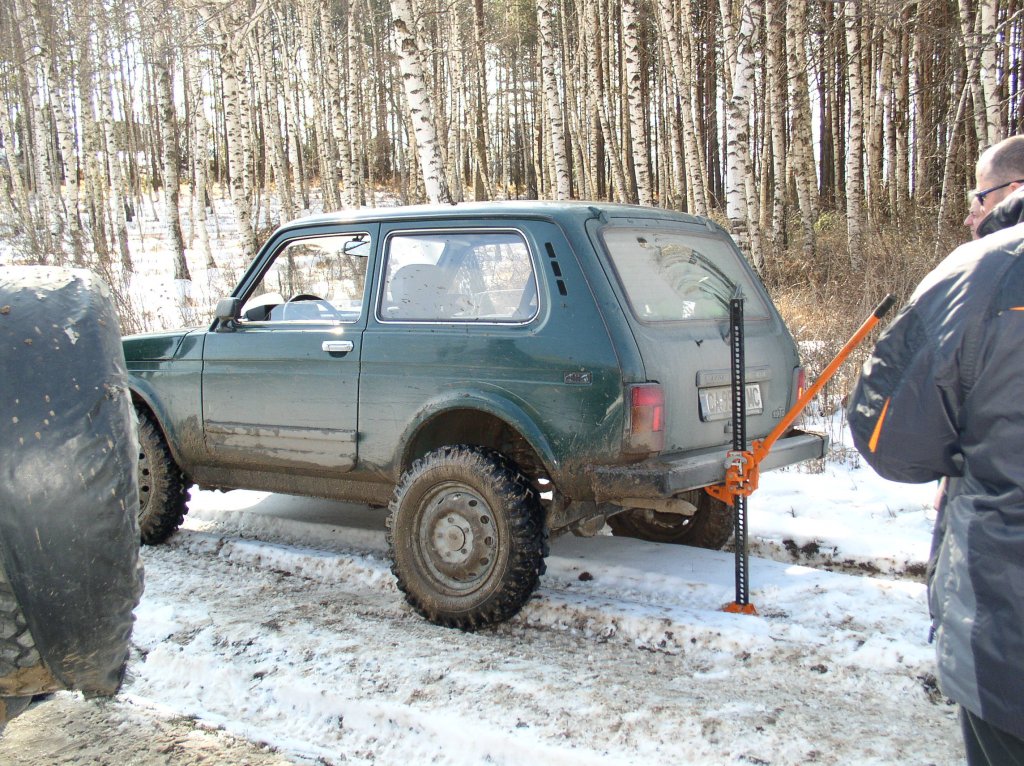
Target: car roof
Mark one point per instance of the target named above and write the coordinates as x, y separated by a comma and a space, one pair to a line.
552, 210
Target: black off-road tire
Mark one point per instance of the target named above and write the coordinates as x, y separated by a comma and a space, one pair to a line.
710, 527
70, 573
467, 538
163, 488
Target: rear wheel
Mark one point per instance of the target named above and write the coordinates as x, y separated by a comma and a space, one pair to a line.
466, 536
710, 527
163, 490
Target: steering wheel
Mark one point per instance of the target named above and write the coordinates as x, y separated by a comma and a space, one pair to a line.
328, 313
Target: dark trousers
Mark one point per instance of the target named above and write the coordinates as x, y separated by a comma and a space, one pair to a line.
988, 746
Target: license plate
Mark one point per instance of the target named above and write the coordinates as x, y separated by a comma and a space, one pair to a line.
716, 403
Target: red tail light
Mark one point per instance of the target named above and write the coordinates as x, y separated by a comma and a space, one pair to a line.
799, 384
646, 429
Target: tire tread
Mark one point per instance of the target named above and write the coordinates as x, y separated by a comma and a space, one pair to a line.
529, 540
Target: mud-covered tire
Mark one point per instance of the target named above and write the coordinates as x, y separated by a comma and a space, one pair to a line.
163, 489
466, 536
710, 527
70, 573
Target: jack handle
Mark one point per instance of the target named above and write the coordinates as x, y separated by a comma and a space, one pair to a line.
742, 471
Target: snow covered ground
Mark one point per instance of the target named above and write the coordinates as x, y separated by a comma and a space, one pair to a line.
275, 620
272, 632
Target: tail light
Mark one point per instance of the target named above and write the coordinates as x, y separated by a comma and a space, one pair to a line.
799, 384
645, 431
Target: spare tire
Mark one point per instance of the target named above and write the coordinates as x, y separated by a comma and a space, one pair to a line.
710, 526
70, 573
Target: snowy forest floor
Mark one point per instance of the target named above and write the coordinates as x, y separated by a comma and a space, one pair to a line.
271, 632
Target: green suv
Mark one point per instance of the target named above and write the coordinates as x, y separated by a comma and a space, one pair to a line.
491, 372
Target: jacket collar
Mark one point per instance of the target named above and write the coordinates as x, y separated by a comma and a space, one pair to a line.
1007, 213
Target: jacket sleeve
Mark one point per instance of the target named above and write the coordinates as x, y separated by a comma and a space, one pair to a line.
905, 407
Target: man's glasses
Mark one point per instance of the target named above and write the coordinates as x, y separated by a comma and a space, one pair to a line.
980, 195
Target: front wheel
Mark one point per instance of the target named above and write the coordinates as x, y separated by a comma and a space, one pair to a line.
710, 527
466, 536
163, 490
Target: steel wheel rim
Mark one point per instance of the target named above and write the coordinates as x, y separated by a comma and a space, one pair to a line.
457, 540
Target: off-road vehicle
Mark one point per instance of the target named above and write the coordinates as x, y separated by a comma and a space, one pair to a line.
491, 372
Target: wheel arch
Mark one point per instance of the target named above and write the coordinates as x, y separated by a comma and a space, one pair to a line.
487, 422
143, 399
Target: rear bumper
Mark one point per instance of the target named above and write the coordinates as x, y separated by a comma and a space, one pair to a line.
669, 476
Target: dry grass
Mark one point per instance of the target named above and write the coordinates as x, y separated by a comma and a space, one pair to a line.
825, 299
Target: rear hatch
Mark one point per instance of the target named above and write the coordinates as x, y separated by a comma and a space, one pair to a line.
675, 280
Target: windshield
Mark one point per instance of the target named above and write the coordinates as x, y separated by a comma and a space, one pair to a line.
672, 275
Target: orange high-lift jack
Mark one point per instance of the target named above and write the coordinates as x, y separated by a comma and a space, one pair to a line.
743, 465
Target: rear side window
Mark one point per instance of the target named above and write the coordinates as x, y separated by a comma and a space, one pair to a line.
458, 276
669, 276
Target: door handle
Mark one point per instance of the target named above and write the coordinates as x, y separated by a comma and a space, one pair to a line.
337, 346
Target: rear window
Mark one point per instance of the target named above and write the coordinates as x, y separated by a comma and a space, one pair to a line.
669, 275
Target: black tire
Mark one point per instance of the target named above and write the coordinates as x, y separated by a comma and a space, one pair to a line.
710, 527
163, 489
476, 499
69, 536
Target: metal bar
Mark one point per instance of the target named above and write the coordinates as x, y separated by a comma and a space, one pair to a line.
781, 427
739, 443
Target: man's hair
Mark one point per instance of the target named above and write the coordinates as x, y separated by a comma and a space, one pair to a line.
1006, 159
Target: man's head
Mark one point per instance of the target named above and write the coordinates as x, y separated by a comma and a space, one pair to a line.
999, 172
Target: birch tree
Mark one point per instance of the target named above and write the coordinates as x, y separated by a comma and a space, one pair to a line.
634, 96
169, 139
741, 195
552, 98
855, 148
421, 110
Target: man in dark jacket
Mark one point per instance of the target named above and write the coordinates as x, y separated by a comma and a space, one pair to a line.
942, 397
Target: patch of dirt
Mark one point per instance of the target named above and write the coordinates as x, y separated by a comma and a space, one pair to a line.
68, 729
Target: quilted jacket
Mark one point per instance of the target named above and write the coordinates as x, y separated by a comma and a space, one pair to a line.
942, 397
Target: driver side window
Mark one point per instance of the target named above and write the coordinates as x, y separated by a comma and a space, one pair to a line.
313, 279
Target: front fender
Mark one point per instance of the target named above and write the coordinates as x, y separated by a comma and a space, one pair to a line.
169, 384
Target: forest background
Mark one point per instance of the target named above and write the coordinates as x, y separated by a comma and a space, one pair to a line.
835, 138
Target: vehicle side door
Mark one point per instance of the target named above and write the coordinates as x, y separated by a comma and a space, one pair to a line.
281, 384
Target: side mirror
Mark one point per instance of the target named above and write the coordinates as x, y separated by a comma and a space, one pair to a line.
227, 312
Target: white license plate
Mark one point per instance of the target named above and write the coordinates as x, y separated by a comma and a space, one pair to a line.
716, 403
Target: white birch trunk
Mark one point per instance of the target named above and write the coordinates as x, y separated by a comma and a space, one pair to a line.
634, 95
552, 99
741, 191
970, 31
990, 45
358, 160
900, 120
169, 138
342, 128
855, 145
778, 103
421, 111
200, 142
235, 152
